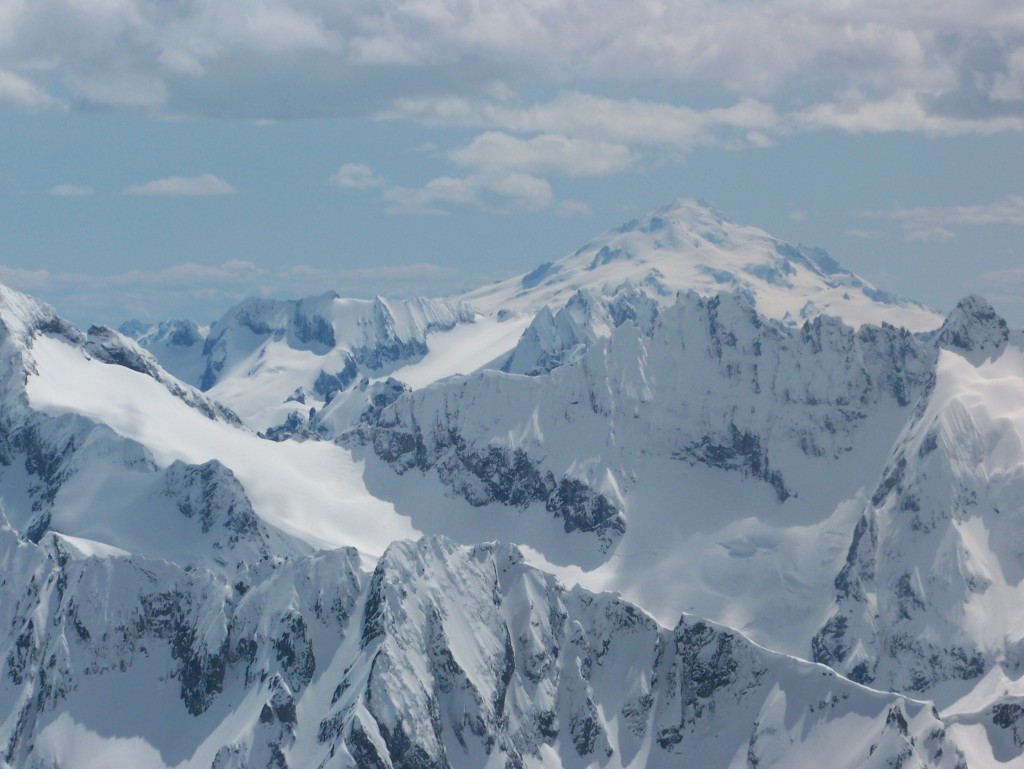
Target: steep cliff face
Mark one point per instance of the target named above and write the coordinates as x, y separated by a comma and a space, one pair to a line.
709, 382
555, 338
574, 678
925, 602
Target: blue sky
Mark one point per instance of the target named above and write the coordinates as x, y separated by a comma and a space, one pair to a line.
167, 158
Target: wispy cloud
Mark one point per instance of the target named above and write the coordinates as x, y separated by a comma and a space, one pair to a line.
21, 93
567, 208
1008, 278
495, 192
926, 234
937, 223
583, 121
70, 191
356, 176
178, 186
902, 112
499, 151
863, 234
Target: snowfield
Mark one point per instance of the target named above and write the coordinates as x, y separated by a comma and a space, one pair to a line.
312, 490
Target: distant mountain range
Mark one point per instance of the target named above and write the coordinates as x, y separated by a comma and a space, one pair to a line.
689, 496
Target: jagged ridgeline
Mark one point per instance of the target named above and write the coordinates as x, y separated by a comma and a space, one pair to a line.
444, 656
719, 456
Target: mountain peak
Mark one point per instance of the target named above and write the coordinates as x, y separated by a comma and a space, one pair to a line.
23, 316
974, 329
681, 211
688, 245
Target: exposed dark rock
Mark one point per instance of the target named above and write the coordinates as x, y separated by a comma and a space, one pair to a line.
326, 385
740, 451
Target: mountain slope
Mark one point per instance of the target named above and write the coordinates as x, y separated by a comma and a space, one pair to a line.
97, 447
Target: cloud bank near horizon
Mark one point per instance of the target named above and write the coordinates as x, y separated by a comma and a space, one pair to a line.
157, 294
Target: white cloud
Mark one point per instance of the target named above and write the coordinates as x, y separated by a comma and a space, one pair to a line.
21, 93
567, 208
174, 186
233, 271
863, 234
585, 123
903, 112
24, 280
497, 151
596, 119
937, 223
495, 192
356, 176
70, 190
930, 234
1012, 277
1009, 211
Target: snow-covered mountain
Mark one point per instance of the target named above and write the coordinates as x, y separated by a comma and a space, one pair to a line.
272, 361
688, 246
177, 344
701, 490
